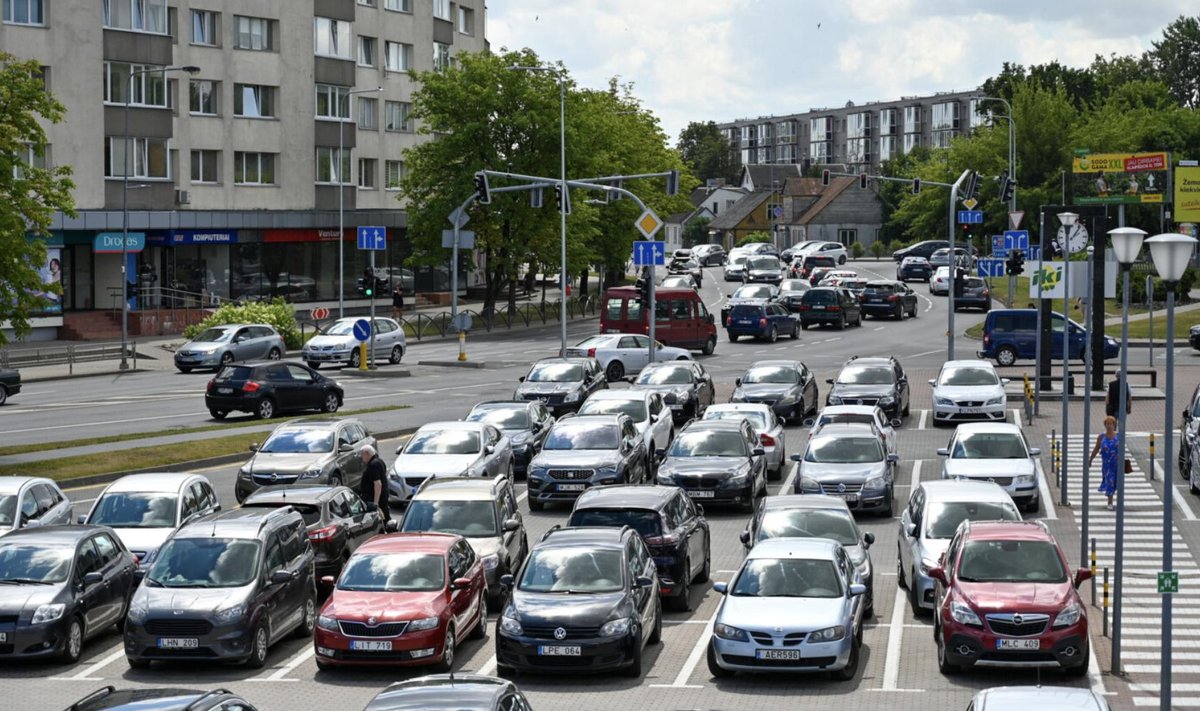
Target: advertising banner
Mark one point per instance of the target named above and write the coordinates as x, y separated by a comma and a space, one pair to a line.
1049, 282
1116, 178
51, 273
1187, 193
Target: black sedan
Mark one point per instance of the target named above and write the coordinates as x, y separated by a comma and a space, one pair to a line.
788, 386
561, 384
975, 295
110, 698
791, 293
686, 387
888, 298
718, 461
268, 388
59, 586
871, 381
526, 424
10, 383
917, 268
687, 266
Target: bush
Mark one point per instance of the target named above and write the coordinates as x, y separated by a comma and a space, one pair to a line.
1137, 287
877, 249
754, 237
277, 313
857, 250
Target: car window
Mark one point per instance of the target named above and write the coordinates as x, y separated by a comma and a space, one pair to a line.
295, 542
29, 507
190, 504
354, 504
338, 507
210, 496
274, 558
627, 342
45, 496
681, 309
89, 558
106, 548
296, 372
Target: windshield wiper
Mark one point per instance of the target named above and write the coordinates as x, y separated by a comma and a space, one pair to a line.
23, 581
969, 579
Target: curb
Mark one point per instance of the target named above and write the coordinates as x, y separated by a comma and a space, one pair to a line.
69, 376
454, 363
377, 373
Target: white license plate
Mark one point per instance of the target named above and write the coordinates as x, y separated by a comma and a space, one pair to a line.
558, 650
225, 391
3, 637
572, 487
971, 410
849, 498
178, 643
1018, 644
370, 645
701, 494
791, 654
818, 308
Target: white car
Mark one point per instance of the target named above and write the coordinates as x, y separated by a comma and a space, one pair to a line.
995, 452
145, 509
678, 281
27, 501
338, 344
830, 249
767, 426
837, 276
939, 283
621, 354
968, 390
449, 449
649, 413
735, 266
871, 415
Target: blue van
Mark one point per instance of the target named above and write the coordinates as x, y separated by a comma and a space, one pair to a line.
1011, 334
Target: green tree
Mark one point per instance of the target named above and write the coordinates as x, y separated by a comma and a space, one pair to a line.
696, 232
1177, 59
707, 153
754, 237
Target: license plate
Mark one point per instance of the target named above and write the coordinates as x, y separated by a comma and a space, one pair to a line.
1018, 644
971, 410
558, 650
370, 645
790, 654
849, 498
701, 494
745, 321
818, 308
3, 637
178, 643
572, 487
225, 391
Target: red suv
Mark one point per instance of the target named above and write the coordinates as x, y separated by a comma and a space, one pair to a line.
1007, 597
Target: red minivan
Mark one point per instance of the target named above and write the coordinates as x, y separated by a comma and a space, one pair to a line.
681, 318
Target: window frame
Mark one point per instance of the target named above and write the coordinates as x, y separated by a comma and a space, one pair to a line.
331, 30
336, 98
261, 91
370, 171
204, 179
400, 175
405, 56
363, 42
9, 15
405, 6
214, 93
144, 154
240, 161
267, 35
152, 11
368, 113
345, 163
142, 78
212, 25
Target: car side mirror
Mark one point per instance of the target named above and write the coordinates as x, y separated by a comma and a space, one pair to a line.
399, 450
279, 577
857, 589
512, 524
709, 318
460, 584
506, 582
139, 573
521, 379
809, 422
745, 538
938, 573
893, 458
910, 529
829, 380
796, 457
1186, 415
868, 539
1005, 381
758, 452
327, 581
254, 446
643, 582
345, 447
896, 422
721, 588
535, 427
93, 578
943, 451
933, 381
1082, 575
82, 519
1035, 451
391, 525
738, 382
489, 449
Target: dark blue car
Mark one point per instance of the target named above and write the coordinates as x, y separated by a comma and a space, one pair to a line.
1011, 334
767, 321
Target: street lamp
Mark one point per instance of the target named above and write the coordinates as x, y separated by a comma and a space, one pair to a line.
1012, 145
1127, 242
1170, 253
125, 203
1068, 220
342, 214
1087, 412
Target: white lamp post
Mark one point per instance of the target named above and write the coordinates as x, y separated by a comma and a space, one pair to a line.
1068, 220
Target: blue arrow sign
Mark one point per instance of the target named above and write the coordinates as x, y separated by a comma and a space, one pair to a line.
970, 217
372, 238
990, 267
362, 330
648, 253
1016, 239
998, 247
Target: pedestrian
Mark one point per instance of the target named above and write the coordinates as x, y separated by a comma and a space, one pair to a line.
1109, 447
1112, 399
397, 301
374, 488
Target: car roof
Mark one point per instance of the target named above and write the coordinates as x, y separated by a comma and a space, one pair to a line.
158, 482
452, 425
973, 427
1008, 531
283, 494
882, 282
804, 548
964, 490
315, 422
1020, 698
775, 364
588, 536
737, 407
716, 425
845, 429
457, 489
626, 394
231, 523
556, 359
869, 360
805, 501
456, 690
669, 364
497, 404
61, 535
967, 363
148, 699
635, 496
848, 410
13, 484
424, 542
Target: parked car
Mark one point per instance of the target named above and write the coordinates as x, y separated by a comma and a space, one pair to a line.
996, 452
306, 452
872, 381
787, 386
649, 413
1188, 429
221, 345
968, 390
717, 461
768, 428
450, 692
791, 293
709, 255
834, 250
561, 384
679, 281
524, 422
621, 354
940, 282
269, 389
10, 383
586, 451
109, 698
681, 318
764, 268
762, 321
806, 266
751, 294
851, 462
449, 449
1011, 334
920, 249
1194, 337
975, 295
911, 268
962, 258
1020, 698
686, 387
145, 509
30, 502
888, 298
872, 416
337, 344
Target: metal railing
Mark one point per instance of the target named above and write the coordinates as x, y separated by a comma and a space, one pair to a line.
68, 355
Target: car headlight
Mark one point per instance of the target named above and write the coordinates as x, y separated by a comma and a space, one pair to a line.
510, 626
243, 474
138, 610
786, 400
48, 613
833, 399
829, 634
229, 614
927, 565
393, 474
491, 561
887, 400
425, 623
944, 401
326, 622
1069, 615
996, 401
741, 476
615, 628
311, 474
571, 397
875, 482
964, 615
664, 478
1024, 479
809, 485
725, 631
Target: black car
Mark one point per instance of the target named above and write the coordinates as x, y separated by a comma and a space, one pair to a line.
584, 451
450, 692
788, 386
110, 698
871, 381
829, 304
269, 388
811, 263
917, 268
689, 266
757, 294
791, 293
10, 383
525, 422
975, 295
718, 461
1194, 337
561, 384
585, 600
59, 586
337, 520
920, 249
888, 298
686, 387
671, 525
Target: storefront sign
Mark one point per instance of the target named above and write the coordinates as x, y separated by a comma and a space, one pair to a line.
110, 243
307, 235
194, 237
1116, 178
1187, 193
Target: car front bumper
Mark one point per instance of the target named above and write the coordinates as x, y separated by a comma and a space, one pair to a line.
746, 656
26, 641
222, 642
961, 413
408, 649
706, 491
595, 655
973, 647
203, 360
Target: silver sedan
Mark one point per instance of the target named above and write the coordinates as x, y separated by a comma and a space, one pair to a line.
447, 449
768, 427
338, 345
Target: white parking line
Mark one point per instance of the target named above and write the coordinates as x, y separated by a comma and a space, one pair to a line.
489, 667
278, 675
1095, 678
921, 421
1181, 494
916, 475
787, 482
891, 664
1016, 417
693, 659
880, 328
86, 673
1044, 493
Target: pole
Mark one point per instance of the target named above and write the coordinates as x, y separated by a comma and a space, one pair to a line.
562, 152
1119, 551
1150, 316
371, 356
1066, 363
125, 229
651, 307
342, 228
953, 265
1037, 390
1087, 427
1164, 688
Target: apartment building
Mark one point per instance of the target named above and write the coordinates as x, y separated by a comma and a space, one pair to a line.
236, 171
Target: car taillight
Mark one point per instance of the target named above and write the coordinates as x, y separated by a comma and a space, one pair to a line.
987, 340
729, 321
250, 387
762, 322
668, 539
986, 292
323, 534
834, 308
211, 383
591, 353
804, 307
894, 297
767, 440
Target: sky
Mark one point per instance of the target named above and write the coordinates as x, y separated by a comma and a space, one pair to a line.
721, 60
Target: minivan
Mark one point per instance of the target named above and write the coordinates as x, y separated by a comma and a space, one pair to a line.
1011, 334
681, 318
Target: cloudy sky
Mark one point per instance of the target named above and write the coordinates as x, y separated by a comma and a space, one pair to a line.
698, 60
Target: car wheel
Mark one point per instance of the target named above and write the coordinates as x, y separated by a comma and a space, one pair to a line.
901, 578
446, 664
260, 643
397, 354
331, 403
795, 331
274, 354
842, 259
535, 505
335, 479
4, 392
913, 313
356, 358
226, 358
733, 337
218, 414
842, 323
1006, 355
773, 335
913, 601
615, 371
1032, 506
683, 602
656, 633
803, 326
634, 670
309, 620
887, 513
715, 669
945, 666
265, 409
849, 671
72, 647
710, 346
479, 631
1192, 488
899, 313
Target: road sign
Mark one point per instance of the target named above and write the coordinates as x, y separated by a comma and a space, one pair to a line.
1168, 581
462, 322
998, 247
649, 253
970, 203
1016, 239
990, 267
777, 212
320, 313
970, 217
466, 239
1034, 253
1014, 219
362, 330
372, 238
648, 223
459, 218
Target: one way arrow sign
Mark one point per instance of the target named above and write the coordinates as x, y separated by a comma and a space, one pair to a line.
372, 238
649, 253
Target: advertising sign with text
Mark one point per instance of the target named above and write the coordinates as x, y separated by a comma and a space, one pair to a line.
1116, 178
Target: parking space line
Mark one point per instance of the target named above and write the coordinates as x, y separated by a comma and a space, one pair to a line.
878, 328
921, 421
489, 667
916, 475
1044, 492
1181, 494
891, 663
1016, 417
86, 673
693, 659
278, 675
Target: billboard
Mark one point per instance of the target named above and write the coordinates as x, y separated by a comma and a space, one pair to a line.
51, 273
1121, 178
1048, 282
1187, 193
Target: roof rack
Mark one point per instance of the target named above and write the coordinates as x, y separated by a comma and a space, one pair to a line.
555, 527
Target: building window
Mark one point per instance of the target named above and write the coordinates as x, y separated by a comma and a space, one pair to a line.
368, 114
466, 20
441, 56
366, 51
441, 9
397, 116
330, 169
398, 5
887, 147
398, 56
945, 116
333, 102
367, 169
978, 116
151, 158
911, 141
204, 28
27, 156
253, 33
254, 168
202, 97
887, 122
135, 15
912, 119
253, 101
331, 37
147, 88
204, 166
368, 3
820, 144
393, 173
858, 137
25, 12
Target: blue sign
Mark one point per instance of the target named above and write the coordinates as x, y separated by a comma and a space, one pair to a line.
110, 243
1016, 239
970, 217
1034, 253
362, 329
649, 253
990, 267
372, 238
998, 248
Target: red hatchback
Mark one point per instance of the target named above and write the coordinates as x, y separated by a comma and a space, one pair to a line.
1006, 597
403, 599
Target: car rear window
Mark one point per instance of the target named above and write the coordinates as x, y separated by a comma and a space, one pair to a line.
743, 310
820, 261
235, 373
881, 288
818, 296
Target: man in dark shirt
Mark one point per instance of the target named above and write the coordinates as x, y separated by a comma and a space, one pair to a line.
374, 488
1112, 401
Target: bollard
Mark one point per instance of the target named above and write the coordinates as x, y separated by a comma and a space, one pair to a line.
362, 355
1093, 567
1053, 455
1151, 469
462, 346
1104, 630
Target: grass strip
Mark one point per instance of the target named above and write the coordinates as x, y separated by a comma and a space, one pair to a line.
68, 468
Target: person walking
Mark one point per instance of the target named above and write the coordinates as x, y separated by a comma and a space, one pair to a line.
398, 301
374, 488
1112, 399
1109, 447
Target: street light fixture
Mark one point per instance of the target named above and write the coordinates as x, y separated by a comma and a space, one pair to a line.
1068, 220
125, 203
342, 211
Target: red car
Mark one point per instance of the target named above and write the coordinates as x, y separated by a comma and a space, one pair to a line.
403, 599
1006, 597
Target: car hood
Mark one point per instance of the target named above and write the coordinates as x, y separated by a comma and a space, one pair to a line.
702, 465
584, 458
794, 614
203, 345
143, 539
196, 600
346, 341
287, 462
384, 606
853, 391
764, 390
823, 472
486, 545
582, 610
546, 388
433, 464
1014, 597
969, 392
678, 389
15, 599
983, 468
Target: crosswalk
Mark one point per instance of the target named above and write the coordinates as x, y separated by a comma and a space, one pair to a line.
1141, 613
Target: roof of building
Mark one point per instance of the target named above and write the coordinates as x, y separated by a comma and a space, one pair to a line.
763, 175
742, 209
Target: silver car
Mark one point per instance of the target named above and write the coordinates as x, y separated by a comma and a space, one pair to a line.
337, 345
768, 427
939, 283
763, 268
304, 452
870, 415
968, 390
221, 345
649, 413
28, 501
928, 523
995, 452
796, 605
735, 266
1022, 698
849, 461
444, 449
621, 354
145, 509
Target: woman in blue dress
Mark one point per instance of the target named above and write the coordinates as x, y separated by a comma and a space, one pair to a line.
1109, 447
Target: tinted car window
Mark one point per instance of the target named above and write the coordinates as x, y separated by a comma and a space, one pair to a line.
571, 435
945, 516
771, 374
205, 563
465, 518
507, 417
665, 376
820, 296
790, 577
645, 522
568, 570
746, 311
636, 409
444, 442
555, 373
29, 562
709, 444
844, 450
1011, 561
234, 372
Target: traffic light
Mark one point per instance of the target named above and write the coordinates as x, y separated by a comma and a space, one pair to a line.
643, 288
1008, 186
562, 198
481, 188
1018, 263
862, 181
825, 178
131, 290
536, 197
369, 288
971, 187
613, 195
916, 186
672, 183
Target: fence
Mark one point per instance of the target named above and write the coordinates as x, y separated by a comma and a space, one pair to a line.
68, 355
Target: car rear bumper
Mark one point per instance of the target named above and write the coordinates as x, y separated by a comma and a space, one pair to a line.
238, 402
1061, 649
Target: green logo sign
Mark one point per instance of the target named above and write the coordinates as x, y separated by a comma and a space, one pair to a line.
1168, 582
1047, 277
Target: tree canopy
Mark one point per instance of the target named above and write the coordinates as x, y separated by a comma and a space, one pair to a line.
707, 153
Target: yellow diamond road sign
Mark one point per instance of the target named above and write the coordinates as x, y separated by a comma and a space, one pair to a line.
648, 224
970, 203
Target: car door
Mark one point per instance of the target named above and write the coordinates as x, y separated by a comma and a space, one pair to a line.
282, 387
661, 425
461, 600
30, 515
298, 557
540, 414
117, 569
902, 392
633, 352
276, 593
640, 565
242, 344
189, 505
514, 541
308, 393
56, 508
687, 526
910, 519
706, 387
95, 599
348, 462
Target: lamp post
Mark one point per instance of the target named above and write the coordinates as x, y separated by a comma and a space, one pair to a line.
1127, 242
1087, 413
1068, 220
1170, 253
125, 201
342, 217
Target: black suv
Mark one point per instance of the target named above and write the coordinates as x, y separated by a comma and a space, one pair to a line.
685, 385
585, 600
829, 304
920, 249
562, 384
671, 525
871, 381
269, 388
110, 698
585, 451
889, 298
225, 587
450, 692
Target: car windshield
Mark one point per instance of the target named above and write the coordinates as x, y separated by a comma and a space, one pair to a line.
772, 374
989, 445
213, 335
506, 417
844, 450
473, 519
793, 285
443, 442
636, 409
752, 292
968, 376
135, 509
756, 418
809, 523
867, 375
944, 516
665, 376
769, 263
205, 563
298, 441
644, 522
393, 572
990, 561
8, 509
582, 435
25, 563
787, 577
341, 328
555, 373
709, 443
573, 570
